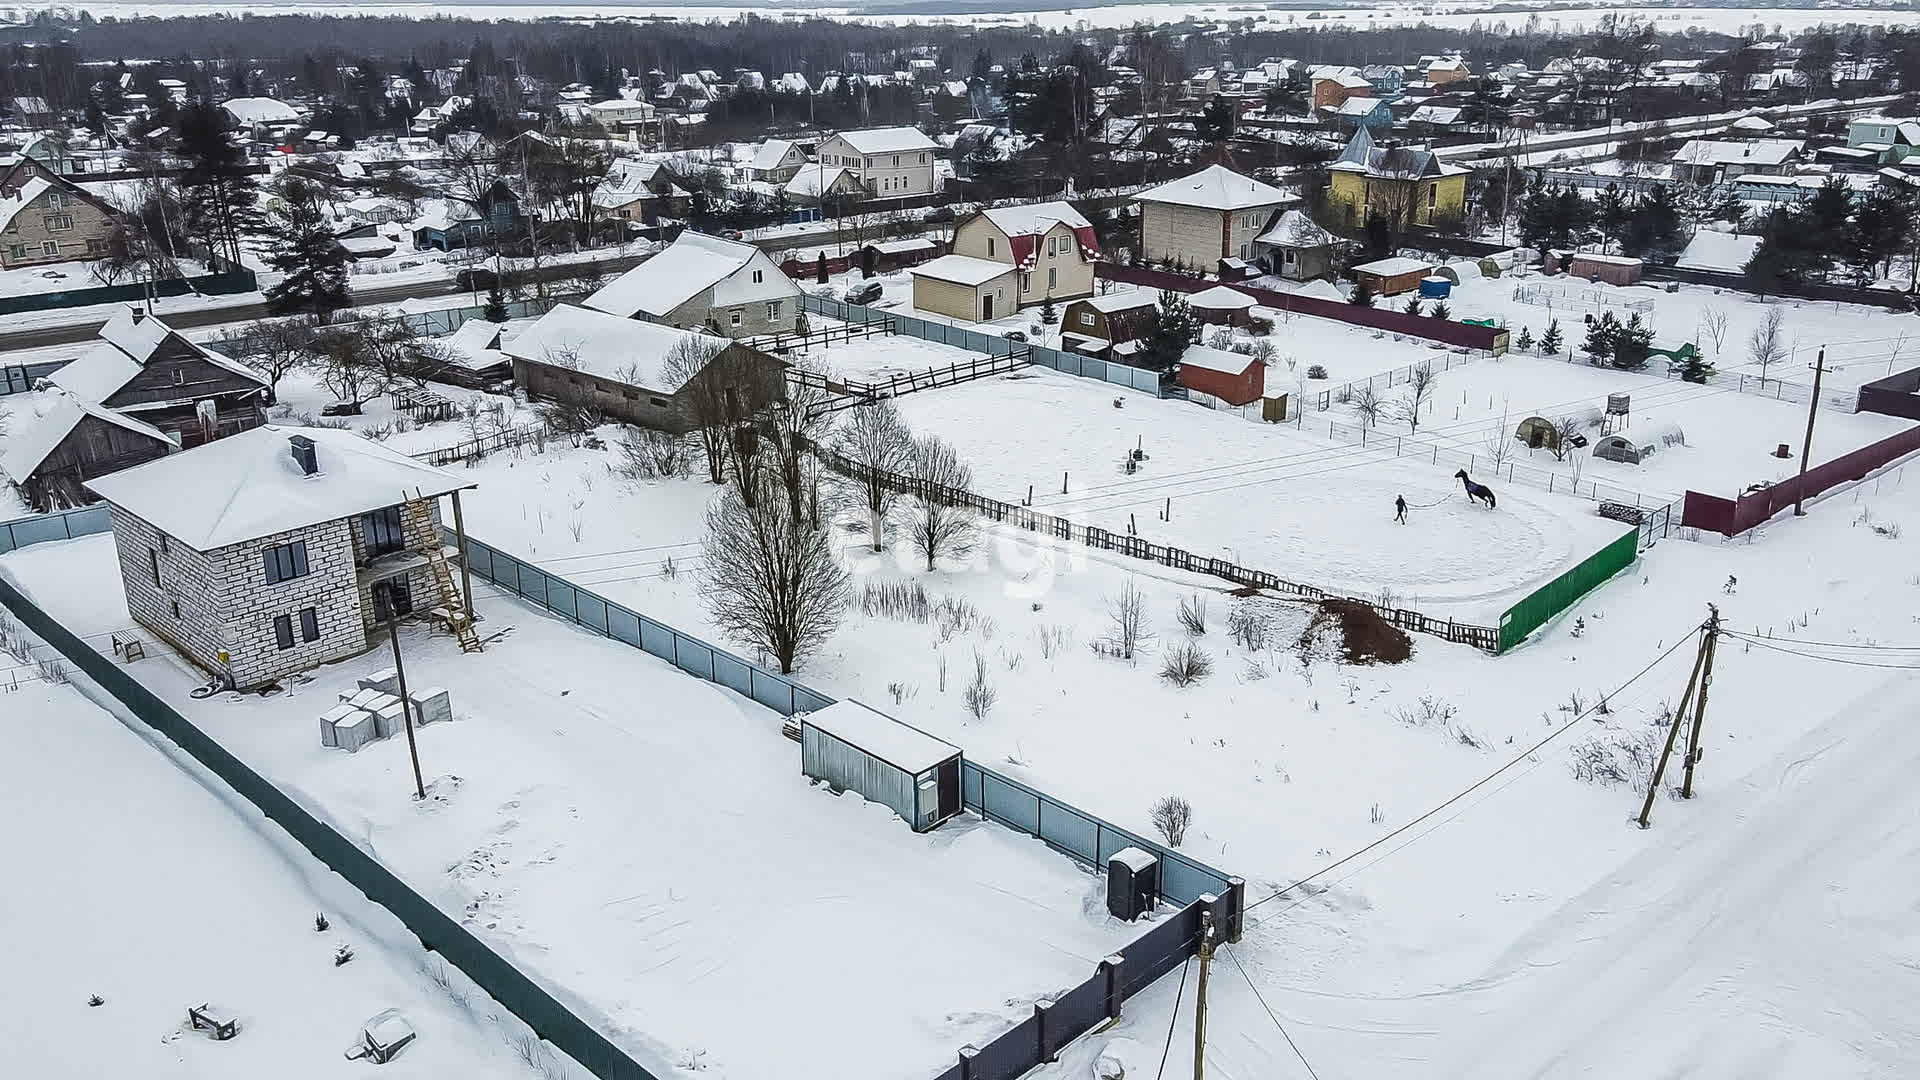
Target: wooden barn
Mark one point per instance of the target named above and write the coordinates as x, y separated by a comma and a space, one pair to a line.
1234, 378
71, 442
141, 368
1092, 325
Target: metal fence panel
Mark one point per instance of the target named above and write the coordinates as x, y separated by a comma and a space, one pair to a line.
560, 598
623, 625
1075, 1013
659, 640
773, 692
1556, 596
591, 611
1160, 950
1144, 380
1010, 1055
1064, 827
1005, 803
693, 657
732, 673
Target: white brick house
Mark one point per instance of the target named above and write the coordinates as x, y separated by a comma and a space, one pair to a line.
255, 567
890, 163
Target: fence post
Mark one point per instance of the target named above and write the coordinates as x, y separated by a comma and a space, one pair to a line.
1040, 1051
1114, 969
967, 1054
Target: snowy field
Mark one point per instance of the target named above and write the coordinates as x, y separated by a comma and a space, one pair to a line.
156, 889
645, 843
882, 356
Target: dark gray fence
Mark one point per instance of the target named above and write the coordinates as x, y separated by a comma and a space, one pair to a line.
41, 528
19, 378
437, 932
436, 323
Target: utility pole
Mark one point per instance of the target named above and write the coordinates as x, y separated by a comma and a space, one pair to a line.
1200, 998
406, 704
1709, 631
1700, 707
1806, 448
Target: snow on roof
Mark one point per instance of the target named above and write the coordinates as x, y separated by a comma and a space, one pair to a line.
1212, 359
1753, 123
1360, 106
606, 346
810, 182
249, 111
1729, 252
893, 140
1393, 267
1435, 114
101, 371
962, 269
768, 155
902, 247
248, 485
1605, 260
903, 746
27, 449
1295, 229
1747, 152
1322, 290
1217, 187
10, 206
1036, 218
692, 263
1221, 298
1119, 301
475, 345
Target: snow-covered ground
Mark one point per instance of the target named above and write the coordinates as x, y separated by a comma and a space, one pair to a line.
645, 843
61, 277
154, 887
302, 395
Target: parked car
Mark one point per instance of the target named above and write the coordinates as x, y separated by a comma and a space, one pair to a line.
732, 234
866, 292
475, 279
1015, 335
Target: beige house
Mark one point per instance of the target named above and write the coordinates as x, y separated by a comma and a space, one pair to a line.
46, 218
965, 287
888, 162
1051, 244
776, 161
1212, 215
730, 288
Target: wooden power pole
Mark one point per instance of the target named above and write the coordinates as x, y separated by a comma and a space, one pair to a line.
1806, 448
1200, 998
1709, 632
1700, 706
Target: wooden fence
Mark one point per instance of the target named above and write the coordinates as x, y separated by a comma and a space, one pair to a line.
474, 449
826, 335
1480, 637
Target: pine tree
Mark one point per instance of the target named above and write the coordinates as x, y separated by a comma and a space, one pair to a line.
1413, 306
1695, 367
1440, 311
1602, 334
496, 309
1174, 328
304, 250
1362, 295
1524, 341
1632, 344
1550, 341
220, 196
1048, 315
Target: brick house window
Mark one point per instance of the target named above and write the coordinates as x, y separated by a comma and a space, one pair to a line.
773, 310
383, 532
50, 248
283, 631
57, 200
153, 564
309, 624
175, 604
286, 561
16, 251
733, 318
59, 222
658, 403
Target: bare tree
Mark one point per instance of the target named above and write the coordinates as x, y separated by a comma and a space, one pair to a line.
280, 345
1765, 347
566, 409
770, 582
1172, 815
794, 427
1564, 430
1367, 402
1419, 391
938, 527
1499, 444
646, 453
877, 443
1576, 464
1713, 321
348, 368
687, 367
1127, 619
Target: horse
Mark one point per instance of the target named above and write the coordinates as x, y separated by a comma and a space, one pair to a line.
1476, 491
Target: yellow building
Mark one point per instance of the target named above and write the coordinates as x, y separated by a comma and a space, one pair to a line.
1406, 186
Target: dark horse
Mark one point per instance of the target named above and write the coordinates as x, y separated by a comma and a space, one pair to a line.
1476, 491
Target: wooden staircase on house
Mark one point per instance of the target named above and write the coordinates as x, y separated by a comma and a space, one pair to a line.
449, 592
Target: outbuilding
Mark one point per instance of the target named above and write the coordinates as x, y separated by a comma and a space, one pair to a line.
1221, 306
1636, 446
964, 287
1612, 269
863, 750
1388, 277
1235, 378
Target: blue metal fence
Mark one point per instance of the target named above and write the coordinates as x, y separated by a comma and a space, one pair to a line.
1087, 367
64, 525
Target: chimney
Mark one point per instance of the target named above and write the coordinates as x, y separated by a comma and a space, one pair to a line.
139, 313
304, 455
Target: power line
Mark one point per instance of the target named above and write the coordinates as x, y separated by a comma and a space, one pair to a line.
1478, 784
1185, 967
1271, 1015
1860, 646
1763, 643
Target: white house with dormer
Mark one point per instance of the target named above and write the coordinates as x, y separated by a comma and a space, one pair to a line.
894, 162
703, 281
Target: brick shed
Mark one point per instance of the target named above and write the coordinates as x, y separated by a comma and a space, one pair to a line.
1234, 378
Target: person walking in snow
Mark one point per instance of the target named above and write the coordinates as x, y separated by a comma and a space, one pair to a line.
1400, 509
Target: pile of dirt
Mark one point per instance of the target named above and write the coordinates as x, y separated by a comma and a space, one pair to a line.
1356, 633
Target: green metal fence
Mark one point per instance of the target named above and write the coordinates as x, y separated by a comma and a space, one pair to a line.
1559, 594
493, 973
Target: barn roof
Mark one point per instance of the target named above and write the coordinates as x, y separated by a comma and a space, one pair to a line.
29, 449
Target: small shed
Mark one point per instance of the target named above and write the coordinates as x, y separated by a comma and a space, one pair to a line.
1636, 446
1221, 306
1388, 277
863, 750
1612, 269
1235, 378
1436, 287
